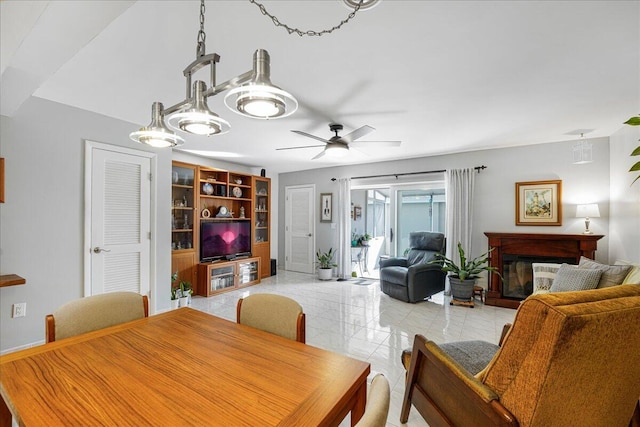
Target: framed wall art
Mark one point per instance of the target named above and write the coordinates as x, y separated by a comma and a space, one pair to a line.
539, 203
326, 207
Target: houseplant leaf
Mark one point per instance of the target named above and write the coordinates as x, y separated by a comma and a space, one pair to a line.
633, 121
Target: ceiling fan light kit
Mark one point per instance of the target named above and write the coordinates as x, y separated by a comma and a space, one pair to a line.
252, 95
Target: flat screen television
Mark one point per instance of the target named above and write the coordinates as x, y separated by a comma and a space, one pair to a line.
224, 240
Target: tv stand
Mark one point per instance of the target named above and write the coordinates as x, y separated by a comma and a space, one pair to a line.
221, 276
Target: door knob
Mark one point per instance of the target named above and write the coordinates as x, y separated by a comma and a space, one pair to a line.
97, 250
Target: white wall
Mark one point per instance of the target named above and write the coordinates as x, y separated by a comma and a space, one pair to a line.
495, 187
42, 227
42, 220
624, 226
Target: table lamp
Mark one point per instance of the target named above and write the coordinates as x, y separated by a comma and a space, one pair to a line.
586, 212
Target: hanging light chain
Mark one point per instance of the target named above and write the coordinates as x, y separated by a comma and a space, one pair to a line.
201, 34
311, 33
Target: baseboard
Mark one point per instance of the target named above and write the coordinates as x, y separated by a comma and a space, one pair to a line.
22, 347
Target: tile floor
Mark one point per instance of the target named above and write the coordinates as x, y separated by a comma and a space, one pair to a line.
362, 322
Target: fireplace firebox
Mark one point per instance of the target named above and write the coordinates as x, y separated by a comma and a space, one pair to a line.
515, 252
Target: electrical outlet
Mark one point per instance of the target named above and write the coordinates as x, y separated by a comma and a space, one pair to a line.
20, 309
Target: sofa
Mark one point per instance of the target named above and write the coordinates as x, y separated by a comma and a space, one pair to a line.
588, 274
413, 278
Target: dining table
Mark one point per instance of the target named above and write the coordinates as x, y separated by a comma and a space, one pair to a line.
180, 367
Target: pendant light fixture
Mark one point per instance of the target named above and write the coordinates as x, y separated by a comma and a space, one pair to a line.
252, 95
582, 151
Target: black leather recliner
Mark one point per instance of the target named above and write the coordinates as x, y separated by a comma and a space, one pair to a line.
412, 279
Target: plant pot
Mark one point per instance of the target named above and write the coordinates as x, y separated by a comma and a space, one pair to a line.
462, 290
174, 304
325, 273
183, 301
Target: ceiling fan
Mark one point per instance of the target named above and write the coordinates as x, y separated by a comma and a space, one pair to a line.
338, 146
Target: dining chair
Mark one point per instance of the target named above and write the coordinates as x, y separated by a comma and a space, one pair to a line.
276, 314
377, 409
95, 312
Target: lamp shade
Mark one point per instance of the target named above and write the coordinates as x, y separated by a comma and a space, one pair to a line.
588, 211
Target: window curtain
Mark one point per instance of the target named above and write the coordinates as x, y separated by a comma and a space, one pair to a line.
344, 229
459, 184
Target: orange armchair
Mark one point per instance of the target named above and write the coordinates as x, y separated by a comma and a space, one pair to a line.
570, 358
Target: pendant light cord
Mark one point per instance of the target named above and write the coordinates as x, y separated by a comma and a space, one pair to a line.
311, 33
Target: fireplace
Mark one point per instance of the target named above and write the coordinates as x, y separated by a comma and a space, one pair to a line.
515, 252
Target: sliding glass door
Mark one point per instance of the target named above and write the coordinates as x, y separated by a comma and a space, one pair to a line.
418, 210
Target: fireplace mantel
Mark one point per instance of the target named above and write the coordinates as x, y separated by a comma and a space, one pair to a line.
540, 246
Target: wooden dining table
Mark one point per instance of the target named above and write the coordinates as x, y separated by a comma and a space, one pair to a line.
182, 367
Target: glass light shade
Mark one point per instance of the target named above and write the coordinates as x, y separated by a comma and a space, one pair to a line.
199, 122
582, 153
156, 134
261, 101
197, 118
336, 150
588, 211
157, 138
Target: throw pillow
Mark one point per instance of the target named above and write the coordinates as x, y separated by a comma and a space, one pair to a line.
572, 278
633, 277
543, 275
612, 275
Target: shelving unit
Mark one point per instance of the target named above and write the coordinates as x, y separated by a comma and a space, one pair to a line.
219, 277
218, 188
198, 194
261, 223
184, 228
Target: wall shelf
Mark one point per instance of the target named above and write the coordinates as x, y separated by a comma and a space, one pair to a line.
11, 280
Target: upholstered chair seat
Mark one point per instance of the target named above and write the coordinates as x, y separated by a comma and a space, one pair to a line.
377, 410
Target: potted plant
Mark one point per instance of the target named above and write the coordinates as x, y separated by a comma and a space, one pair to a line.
325, 264
185, 294
174, 291
462, 276
364, 239
634, 121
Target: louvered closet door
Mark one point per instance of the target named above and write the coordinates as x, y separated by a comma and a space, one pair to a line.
120, 222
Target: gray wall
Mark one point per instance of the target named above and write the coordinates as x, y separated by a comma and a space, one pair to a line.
42, 220
494, 208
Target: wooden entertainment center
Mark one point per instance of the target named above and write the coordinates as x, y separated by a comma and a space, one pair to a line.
201, 194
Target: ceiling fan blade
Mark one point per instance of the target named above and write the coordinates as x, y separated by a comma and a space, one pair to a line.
320, 154
302, 146
358, 133
308, 135
376, 143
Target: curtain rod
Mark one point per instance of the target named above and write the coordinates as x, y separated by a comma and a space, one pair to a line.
477, 168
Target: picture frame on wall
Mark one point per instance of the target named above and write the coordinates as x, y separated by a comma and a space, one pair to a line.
357, 212
539, 203
326, 207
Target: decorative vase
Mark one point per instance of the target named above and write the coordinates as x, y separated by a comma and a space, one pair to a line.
183, 301
325, 273
462, 290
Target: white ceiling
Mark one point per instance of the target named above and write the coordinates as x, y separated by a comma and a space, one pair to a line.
441, 76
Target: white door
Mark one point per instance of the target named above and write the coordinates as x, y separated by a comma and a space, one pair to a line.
299, 229
117, 212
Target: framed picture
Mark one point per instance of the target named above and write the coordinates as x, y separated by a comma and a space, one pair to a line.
539, 203
357, 212
326, 207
